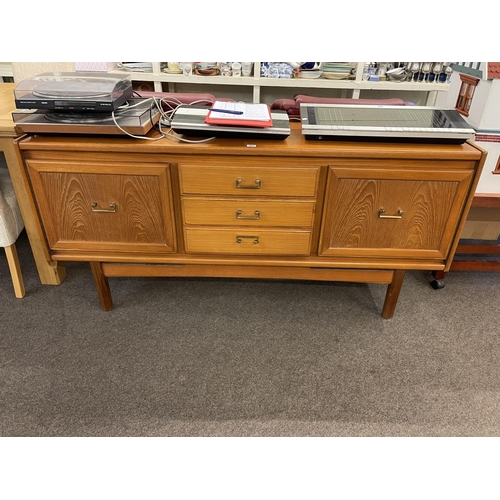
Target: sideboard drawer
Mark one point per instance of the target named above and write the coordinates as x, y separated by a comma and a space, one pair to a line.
248, 180
248, 241
254, 212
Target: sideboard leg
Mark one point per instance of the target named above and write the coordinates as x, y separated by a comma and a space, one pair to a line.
438, 281
438, 275
391, 297
102, 285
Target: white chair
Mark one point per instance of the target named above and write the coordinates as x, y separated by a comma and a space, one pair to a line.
11, 225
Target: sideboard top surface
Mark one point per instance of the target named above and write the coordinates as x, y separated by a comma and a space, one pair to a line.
294, 146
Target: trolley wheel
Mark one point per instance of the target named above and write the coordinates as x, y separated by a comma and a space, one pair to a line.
437, 284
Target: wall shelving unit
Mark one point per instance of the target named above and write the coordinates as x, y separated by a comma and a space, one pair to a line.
6, 72
261, 89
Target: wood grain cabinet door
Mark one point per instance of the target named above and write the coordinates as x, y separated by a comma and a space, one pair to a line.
115, 207
384, 213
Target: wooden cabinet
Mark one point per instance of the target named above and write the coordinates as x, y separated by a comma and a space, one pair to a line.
294, 209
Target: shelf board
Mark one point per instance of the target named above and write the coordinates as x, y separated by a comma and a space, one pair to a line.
172, 78
6, 69
286, 82
415, 86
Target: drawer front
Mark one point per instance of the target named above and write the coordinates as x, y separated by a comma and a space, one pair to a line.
258, 241
104, 211
247, 180
241, 212
398, 214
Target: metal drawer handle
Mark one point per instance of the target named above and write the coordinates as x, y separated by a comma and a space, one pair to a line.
248, 217
381, 215
111, 209
240, 186
255, 239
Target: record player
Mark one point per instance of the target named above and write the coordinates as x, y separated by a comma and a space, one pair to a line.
82, 103
137, 117
79, 91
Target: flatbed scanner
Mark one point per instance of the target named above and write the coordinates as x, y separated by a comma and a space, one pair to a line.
189, 120
384, 123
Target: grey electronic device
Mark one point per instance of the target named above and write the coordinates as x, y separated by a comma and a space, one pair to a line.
190, 121
78, 91
384, 123
137, 118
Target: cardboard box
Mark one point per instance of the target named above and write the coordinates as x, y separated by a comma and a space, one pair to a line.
482, 224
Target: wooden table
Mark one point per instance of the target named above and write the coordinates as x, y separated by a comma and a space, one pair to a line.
50, 272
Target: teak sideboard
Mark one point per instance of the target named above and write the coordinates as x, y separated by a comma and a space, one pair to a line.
293, 209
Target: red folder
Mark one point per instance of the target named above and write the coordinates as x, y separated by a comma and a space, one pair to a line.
239, 122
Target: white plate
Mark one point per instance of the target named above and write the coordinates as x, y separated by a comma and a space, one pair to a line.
310, 74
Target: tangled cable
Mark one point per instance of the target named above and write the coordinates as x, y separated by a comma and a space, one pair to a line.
166, 116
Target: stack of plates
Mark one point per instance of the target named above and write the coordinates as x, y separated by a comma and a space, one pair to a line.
136, 66
310, 73
336, 70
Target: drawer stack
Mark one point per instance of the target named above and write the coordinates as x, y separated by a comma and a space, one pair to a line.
252, 209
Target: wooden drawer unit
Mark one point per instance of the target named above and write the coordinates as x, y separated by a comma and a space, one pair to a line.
386, 212
248, 195
103, 207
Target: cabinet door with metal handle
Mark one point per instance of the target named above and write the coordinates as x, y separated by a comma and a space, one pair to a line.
121, 208
383, 213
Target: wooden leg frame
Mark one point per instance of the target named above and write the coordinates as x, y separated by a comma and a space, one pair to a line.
15, 271
393, 278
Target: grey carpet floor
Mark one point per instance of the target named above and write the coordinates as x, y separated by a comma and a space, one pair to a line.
221, 357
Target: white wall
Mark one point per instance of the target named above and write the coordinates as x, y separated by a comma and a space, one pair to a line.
25, 70
488, 182
484, 115
491, 114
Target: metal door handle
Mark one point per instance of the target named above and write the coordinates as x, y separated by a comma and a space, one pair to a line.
381, 215
240, 186
255, 239
247, 217
111, 209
